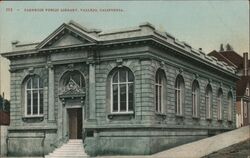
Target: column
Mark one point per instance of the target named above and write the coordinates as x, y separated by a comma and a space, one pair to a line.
92, 104
51, 102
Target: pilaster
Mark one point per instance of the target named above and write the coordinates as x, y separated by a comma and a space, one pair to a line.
51, 102
92, 92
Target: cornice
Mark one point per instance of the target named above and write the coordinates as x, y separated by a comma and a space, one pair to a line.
151, 40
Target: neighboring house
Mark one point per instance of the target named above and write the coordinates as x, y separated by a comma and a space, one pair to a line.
4, 78
5, 93
242, 65
129, 91
4, 123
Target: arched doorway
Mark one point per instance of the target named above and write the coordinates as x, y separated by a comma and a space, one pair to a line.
72, 95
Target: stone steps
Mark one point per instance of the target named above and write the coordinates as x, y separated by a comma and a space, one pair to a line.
72, 149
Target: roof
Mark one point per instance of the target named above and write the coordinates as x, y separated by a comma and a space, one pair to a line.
231, 57
90, 37
4, 118
241, 85
220, 57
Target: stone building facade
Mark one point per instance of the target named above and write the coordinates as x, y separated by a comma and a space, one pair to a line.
242, 66
130, 91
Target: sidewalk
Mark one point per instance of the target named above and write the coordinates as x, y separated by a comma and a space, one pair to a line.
237, 150
206, 146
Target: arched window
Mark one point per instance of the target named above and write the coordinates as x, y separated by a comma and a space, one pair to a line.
122, 91
34, 96
208, 101
159, 90
230, 105
179, 95
219, 104
195, 98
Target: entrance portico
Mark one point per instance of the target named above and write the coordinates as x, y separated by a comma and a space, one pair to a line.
72, 95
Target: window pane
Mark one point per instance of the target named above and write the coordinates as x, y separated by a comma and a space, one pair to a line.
35, 102
35, 82
219, 107
193, 98
160, 99
28, 102
156, 97
177, 85
176, 101
40, 83
157, 78
115, 77
41, 101
131, 97
115, 98
206, 104
123, 97
130, 77
179, 101
29, 84
122, 75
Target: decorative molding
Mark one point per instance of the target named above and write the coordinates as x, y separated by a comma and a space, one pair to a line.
63, 101
90, 62
210, 80
72, 90
231, 88
196, 76
162, 64
11, 70
180, 70
50, 66
119, 62
70, 67
31, 69
221, 85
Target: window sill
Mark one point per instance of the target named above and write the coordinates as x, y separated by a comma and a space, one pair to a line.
35, 118
230, 121
209, 119
219, 120
180, 116
163, 115
122, 113
129, 115
195, 117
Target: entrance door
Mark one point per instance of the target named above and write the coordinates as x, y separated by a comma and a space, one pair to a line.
75, 123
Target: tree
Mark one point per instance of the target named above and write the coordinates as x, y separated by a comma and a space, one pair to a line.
229, 47
4, 104
221, 48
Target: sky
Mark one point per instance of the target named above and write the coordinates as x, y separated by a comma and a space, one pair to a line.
202, 24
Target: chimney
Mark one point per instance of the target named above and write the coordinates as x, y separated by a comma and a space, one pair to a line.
245, 64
